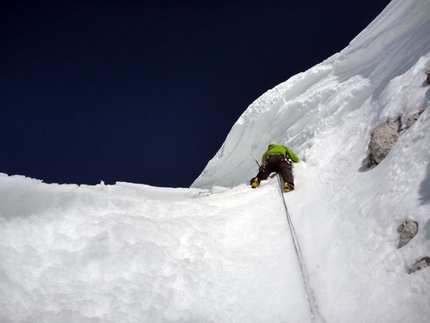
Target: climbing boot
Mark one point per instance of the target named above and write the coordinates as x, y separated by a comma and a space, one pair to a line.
288, 187
255, 182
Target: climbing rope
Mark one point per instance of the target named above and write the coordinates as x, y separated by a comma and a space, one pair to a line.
316, 316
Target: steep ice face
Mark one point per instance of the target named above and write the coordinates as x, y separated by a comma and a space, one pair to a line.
379, 76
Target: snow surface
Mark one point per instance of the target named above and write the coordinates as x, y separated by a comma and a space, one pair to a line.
222, 252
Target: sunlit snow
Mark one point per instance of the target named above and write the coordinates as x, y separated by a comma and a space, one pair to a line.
223, 252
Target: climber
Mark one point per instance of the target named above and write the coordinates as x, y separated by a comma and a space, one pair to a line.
277, 159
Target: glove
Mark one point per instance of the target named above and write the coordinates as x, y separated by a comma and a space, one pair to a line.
262, 167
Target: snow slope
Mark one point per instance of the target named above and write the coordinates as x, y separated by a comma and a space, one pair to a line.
135, 253
222, 252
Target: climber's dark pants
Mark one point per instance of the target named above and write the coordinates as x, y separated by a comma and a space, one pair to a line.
278, 164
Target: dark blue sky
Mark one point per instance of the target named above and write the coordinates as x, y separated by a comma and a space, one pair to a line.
147, 91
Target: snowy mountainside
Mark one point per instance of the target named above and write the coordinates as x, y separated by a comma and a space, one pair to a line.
326, 115
379, 76
221, 251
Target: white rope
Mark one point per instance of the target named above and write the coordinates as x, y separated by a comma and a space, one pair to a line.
316, 316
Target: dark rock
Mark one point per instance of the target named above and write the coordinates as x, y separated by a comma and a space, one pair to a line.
428, 75
382, 139
420, 264
407, 231
371, 161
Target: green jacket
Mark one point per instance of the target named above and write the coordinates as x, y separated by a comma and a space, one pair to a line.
274, 149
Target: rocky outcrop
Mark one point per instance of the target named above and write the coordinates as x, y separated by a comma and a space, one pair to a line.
428, 75
407, 230
383, 138
420, 264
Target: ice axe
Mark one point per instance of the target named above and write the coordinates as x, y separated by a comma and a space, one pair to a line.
258, 164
